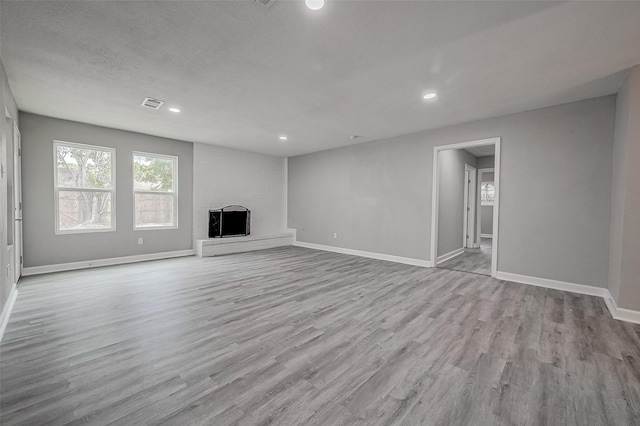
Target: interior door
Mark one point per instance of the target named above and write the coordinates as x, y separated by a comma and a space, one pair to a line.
469, 207
17, 203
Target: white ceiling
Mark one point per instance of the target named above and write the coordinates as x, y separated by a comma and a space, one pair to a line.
243, 74
482, 151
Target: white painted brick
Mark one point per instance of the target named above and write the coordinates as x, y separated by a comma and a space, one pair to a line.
225, 176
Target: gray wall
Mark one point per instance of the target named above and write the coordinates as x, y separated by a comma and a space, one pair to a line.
486, 162
451, 206
374, 196
225, 176
6, 101
624, 245
554, 200
486, 220
43, 247
486, 216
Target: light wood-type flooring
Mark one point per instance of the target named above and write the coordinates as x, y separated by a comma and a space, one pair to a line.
294, 336
476, 261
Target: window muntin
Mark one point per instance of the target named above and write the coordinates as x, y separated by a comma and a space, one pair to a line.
155, 191
84, 186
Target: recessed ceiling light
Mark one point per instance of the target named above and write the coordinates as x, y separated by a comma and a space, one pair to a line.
174, 109
283, 138
431, 95
314, 4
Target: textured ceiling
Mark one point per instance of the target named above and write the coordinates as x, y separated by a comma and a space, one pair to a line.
243, 74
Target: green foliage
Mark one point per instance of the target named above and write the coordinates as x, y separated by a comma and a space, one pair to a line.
82, 168
154, 171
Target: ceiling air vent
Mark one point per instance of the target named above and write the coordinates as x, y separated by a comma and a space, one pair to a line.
265, 3
152, 103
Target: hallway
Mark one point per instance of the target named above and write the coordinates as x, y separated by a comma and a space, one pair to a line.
477, 261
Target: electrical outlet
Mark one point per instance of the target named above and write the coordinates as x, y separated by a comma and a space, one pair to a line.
140, 240
335, 235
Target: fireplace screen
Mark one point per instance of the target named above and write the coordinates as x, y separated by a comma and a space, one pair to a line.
229, 221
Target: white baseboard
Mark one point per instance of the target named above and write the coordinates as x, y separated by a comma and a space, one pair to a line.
450, 255
617, 313
6, 310
621, 314
486, 235
35, 270
368, 254
554, 284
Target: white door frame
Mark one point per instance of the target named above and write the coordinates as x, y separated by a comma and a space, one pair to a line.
7, 144
436, 196
17, 192
469, 207
479, 203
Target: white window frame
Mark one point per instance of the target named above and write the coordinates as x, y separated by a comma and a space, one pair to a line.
57, 189
174, 158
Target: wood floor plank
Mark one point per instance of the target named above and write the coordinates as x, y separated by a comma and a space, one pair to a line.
476, 261
297, 336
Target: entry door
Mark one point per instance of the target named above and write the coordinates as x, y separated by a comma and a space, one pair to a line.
469, 206
17, 203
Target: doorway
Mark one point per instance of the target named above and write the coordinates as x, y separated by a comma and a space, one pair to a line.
466, 178
12, 151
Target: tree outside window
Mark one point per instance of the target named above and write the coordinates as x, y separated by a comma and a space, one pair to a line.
84, 188
155, 190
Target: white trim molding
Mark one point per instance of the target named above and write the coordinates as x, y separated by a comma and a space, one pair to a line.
174, 193
6, 310
435, 197
368, 254
450, 255
479, 202
486, 235
45, 269
57, 188
554, 284
622, 314
617, 313
294, 232
285, 209
470, 175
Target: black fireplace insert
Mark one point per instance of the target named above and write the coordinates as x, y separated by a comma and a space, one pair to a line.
229, 221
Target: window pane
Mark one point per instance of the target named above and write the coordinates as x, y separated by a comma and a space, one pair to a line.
153, 173
83, 167
154, 210
81, 210
487, 193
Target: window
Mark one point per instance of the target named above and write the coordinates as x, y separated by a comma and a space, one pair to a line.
84, 185
487, 193
155, 191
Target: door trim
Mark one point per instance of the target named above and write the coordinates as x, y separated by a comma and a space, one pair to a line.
18, 238
469, 207
435, 196
479, 233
